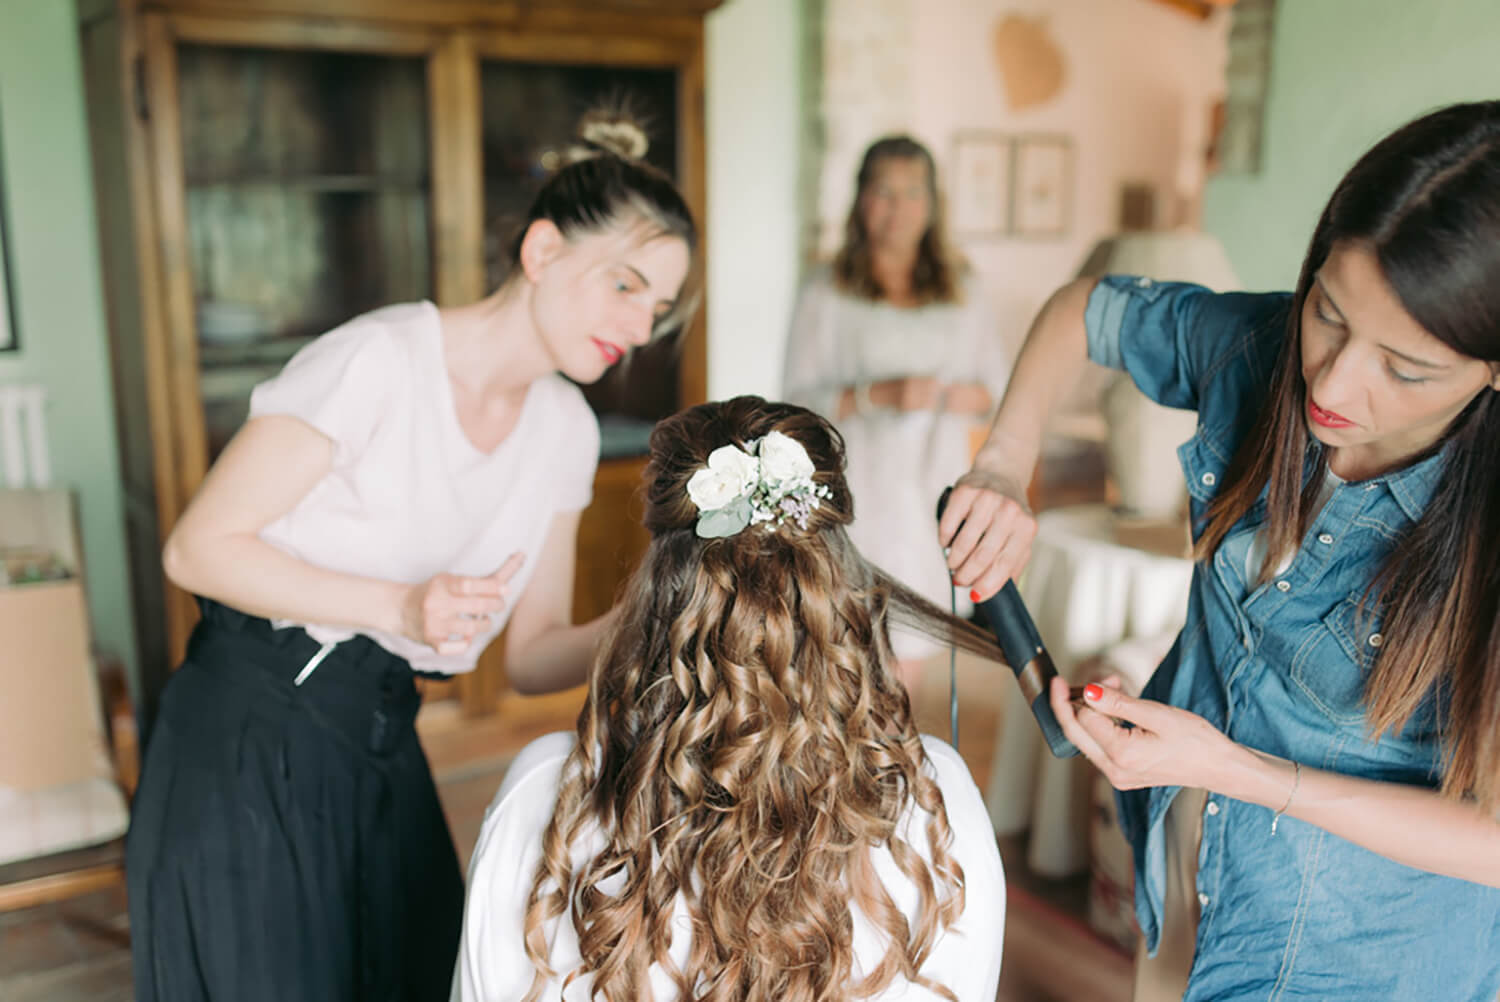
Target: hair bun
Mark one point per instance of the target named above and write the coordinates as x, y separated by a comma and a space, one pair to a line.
614, 132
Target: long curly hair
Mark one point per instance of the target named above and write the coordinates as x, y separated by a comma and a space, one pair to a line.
744, 747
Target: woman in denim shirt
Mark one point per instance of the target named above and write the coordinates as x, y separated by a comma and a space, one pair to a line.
1330, 712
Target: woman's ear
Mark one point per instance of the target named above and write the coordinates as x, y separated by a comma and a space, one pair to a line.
540, 246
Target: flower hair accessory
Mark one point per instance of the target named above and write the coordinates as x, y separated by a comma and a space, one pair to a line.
770, 480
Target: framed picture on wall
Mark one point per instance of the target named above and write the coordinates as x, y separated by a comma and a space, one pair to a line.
8, 338
979, 185
1042, 206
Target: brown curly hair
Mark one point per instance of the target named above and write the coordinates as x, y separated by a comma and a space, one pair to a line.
744, 746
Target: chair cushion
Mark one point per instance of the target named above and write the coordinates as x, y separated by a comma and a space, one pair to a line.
59, 818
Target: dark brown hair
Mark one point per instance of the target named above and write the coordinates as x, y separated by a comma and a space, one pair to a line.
938, 270
745, 745
604, 183
1426, 201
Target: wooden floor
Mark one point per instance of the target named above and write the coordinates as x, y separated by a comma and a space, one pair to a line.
78, 951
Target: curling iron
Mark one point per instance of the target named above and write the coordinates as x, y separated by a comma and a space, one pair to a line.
1025, 654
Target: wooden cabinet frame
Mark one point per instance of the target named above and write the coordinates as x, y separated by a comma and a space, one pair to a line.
131, 77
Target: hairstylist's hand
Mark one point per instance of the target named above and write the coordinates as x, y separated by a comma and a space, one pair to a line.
1165, 747
998, 527
446, 612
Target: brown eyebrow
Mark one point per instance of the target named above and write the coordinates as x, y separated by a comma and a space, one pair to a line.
1423, 363
1318, 280
1414, 361
670, 304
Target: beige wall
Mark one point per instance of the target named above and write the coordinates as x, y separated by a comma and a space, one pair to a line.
1140, 79
753, 85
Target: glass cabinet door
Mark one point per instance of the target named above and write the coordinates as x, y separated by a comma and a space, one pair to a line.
530, 115
307, 177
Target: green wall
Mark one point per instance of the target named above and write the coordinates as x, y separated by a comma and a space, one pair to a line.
1343, 74
58, 303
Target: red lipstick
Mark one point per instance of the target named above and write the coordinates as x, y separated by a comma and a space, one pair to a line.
1326, 419
611, 353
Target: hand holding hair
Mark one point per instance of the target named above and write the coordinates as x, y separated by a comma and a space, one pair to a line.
1139, 742
987, 529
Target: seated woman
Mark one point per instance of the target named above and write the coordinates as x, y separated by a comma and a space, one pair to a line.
747, 811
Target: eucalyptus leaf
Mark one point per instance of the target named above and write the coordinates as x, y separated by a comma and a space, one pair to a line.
725, 521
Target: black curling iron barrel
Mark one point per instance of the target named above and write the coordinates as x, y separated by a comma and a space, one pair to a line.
1006, 616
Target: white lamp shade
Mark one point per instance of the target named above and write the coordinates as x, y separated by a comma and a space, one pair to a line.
1165, 255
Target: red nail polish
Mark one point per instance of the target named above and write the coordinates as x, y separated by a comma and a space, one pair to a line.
973, 594
1093, 692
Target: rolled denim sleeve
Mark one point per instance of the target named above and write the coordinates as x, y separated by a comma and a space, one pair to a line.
1151, 330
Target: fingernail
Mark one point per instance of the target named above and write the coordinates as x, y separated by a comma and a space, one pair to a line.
1093, 692
973, 594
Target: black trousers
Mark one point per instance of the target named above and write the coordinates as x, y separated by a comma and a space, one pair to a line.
286, 842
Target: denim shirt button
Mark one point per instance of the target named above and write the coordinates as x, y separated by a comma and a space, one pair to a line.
1375, 640
1212, 808
1208, 479
1283, 586
1143, 282
1202, 900
1325, 538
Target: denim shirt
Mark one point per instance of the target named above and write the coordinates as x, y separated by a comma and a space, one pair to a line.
1280, 667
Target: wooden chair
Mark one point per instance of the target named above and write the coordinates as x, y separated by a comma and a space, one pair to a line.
59, 876
67, 718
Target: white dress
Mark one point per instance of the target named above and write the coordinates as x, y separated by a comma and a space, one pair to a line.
492, 961
899, 463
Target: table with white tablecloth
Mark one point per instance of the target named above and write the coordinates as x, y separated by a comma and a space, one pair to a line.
1089, 594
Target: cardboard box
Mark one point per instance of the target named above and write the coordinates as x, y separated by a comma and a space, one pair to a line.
51, 721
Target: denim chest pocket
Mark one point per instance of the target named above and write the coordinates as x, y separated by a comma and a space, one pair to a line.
1203, 467
1335, 659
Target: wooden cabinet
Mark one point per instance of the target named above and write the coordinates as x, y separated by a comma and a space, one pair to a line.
269, 168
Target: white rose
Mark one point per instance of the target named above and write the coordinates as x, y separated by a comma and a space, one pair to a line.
784, 460
731, 473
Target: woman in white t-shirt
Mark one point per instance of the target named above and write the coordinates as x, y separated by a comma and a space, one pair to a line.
895, 342
409, 484
747, 812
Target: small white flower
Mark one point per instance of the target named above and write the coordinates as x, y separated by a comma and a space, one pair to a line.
783, 460
731, 473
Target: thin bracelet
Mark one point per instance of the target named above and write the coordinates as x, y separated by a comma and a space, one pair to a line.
1296, 780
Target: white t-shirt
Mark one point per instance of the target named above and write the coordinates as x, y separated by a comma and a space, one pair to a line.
1257, 552
492, 962
409, 496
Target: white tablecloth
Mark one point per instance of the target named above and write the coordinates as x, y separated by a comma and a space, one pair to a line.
1088, 594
